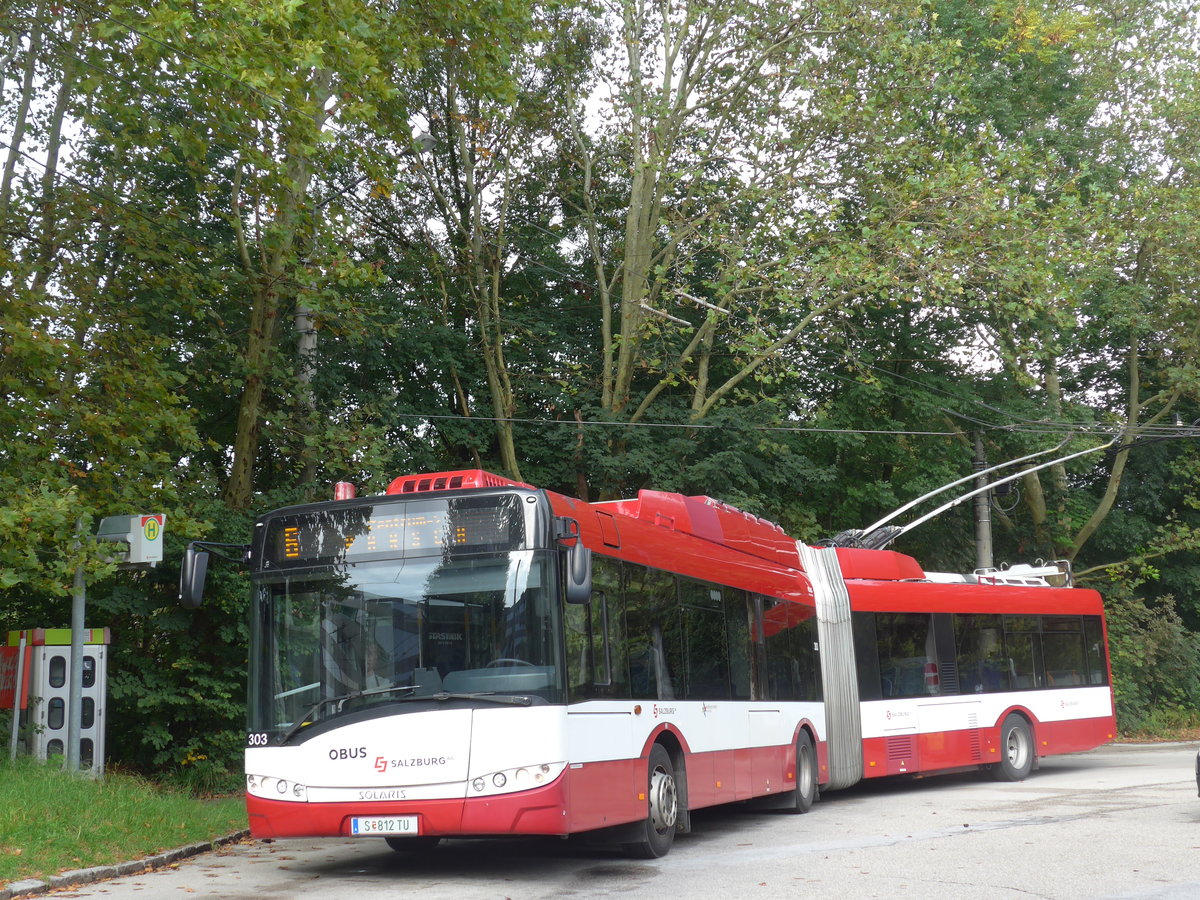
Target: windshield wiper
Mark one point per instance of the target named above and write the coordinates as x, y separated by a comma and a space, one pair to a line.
488, 696
339, 702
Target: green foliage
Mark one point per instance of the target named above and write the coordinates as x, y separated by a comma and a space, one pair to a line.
179, 674
1155, 660
915, 222
1169, 723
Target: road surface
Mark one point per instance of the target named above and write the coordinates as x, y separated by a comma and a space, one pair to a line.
1119, 822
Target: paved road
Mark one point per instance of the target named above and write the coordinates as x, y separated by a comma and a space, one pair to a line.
1119, 822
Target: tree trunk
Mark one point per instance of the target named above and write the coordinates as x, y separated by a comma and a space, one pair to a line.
22, 117
1128, 434
49, 226
264, 315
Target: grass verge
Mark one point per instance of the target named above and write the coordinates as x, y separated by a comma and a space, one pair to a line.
52, 822
1170, 724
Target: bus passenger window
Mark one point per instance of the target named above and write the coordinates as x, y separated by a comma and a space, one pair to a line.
1024, 650
579, 650
979, 642
789, 636
1063, 650
704, 642
655, 646
596, 662
606, 580
1093, 639
866, 655
739, 613
907, 655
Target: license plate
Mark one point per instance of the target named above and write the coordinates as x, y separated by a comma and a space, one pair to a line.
374, 825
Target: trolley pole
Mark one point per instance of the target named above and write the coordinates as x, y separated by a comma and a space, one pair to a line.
983, 509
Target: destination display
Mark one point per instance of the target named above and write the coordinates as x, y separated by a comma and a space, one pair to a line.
412, 528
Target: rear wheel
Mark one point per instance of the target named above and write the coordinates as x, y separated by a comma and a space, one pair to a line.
1016, 749
806, 774
662, 802
415, 844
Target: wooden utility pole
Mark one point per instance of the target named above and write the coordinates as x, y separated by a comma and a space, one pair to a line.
983, 509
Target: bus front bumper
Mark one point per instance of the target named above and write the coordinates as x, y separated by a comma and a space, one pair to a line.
540, 810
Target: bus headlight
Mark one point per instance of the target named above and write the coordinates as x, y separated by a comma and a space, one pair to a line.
276, 789
507, 781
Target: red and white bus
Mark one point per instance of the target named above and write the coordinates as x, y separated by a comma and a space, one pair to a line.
470, 656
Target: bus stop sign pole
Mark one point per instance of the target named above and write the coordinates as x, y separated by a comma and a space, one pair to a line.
75, 694
140, 542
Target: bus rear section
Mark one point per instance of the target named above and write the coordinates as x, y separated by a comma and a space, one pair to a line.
953, 671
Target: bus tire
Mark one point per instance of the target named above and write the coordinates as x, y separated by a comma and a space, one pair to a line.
806, 774
1016, 749
657, 831
415, 844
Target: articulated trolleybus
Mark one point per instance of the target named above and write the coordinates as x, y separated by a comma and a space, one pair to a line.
471, 656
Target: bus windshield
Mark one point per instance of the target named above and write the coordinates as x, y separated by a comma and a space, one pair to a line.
370, 634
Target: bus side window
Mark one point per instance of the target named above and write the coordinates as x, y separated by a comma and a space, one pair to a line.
597, 666
1023, 644
652, 617
982, 668
579, 650
606, 580
866, 654
705, 641
789, 638
908, 664
777, 646
1063, 649
1093, 640
738, 615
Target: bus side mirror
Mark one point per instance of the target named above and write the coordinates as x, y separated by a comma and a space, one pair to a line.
579, 560
579, 574
191, 576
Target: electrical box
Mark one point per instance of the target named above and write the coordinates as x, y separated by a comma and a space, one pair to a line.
142, 536
49, 652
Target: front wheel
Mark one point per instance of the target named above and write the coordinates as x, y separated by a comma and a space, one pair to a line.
1016, 749
662, 802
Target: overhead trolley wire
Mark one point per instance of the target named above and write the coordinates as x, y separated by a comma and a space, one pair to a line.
801, 429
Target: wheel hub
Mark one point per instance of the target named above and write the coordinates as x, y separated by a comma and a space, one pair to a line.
1017, 748
664, 803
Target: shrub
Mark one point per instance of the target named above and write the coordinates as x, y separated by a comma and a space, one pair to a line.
1155, 660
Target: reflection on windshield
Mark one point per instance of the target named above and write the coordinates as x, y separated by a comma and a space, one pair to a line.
322, 645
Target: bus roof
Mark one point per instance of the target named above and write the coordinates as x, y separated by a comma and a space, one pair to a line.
718, 523
710, 520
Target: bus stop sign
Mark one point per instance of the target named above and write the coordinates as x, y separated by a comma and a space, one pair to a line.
142, 535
